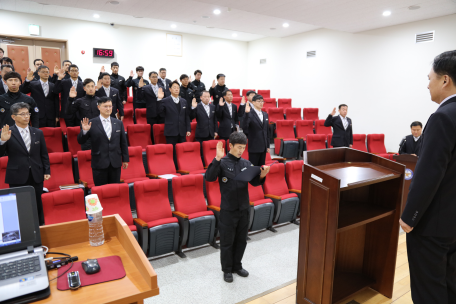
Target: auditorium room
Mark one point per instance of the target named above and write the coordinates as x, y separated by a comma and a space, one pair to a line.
228, 151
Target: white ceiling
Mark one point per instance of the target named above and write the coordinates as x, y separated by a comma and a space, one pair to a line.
249, 19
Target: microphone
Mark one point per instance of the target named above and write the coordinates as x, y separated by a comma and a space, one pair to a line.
401, 145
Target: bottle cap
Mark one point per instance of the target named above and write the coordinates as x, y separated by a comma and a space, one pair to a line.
92, 204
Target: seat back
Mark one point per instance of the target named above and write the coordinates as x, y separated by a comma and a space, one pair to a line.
320, 127
140, 115
293, 114
152, 201
304, 128
376, 143
139, 135
275, 114
236, 92
135, 166
275, 183
269, 103
255, 193
316, 142
245, 155
210, 150
310, 113
188, 194
189, 156
191, 138
85, 167
265, 93
129, 104
328, 140
160, 159
237, 101
244, 92
72, 138
214, 197
63, 206
285, 129
285, 103
115, 199
293, 174
128, 115
53, 139
359, 142
63, 126
159, 134
3, 164
61, 170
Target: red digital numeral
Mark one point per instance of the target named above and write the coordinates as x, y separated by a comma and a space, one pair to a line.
111, 54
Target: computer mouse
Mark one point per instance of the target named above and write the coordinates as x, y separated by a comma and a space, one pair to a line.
91, 266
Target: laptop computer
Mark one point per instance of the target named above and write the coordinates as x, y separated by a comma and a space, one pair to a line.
23, 274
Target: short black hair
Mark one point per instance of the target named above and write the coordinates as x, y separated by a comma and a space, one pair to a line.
198, 71
12, 75
14, 109
257, 97
238, 138
72, 66
225, 92
105, 74
103, 100
63, 62
42, 67
220, 75
7, 59
2, 50
202, 92
249, 92
34, 61
416, 124
87, 81
139, 68
172, 83
162, 69
183, 76
445, 64
114, 64
153, 72
342, 105
7, 66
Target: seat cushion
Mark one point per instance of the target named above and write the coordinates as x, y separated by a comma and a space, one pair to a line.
198, 172
163, 221
136, 179
290, 195
261, 202
132, 227
199, 214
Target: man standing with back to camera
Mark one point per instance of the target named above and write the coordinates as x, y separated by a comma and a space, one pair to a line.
342, 127
430, 212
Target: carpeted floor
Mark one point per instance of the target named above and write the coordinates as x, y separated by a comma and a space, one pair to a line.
271, 259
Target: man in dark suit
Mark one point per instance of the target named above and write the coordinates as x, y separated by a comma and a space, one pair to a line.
109, 144
227, 114
37, 63
64, 86
28, 160
411, 144
6, 68
117, 81
104, 89
66, 68
206, 121
342, 127
256, 126
429, 215
42, 91
134, 83
165, 82
176, 113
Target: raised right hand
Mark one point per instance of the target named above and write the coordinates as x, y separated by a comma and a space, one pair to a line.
102, 69
61, 74
247, 107
131, 73
56, 69
243, 100
30, 74
333, 112
6, 133
73, 93
220, 151
213, 83
221, 102
161, 94
141, 82
86, 124
99, 84
194, 103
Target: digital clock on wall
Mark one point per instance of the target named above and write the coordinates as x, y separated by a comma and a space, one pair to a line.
103, 53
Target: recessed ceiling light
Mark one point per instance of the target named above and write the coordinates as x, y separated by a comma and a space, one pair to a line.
414, 7
286, 25
205, 17
114, 2
217, 11
234, 35
96, 16
173, 26
386, 13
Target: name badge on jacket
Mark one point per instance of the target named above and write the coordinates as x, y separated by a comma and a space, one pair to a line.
117, 131
37, 142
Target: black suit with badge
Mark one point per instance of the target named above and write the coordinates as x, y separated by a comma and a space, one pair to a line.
341, 137
48, 105
431, 210
257, 132
165, 84
27, 168
411, 146
152, 103
116, 100
107, 153
64, 86
206, 126
227, 122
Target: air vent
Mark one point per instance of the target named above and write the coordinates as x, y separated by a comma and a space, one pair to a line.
311, 54
262, 61
424, 37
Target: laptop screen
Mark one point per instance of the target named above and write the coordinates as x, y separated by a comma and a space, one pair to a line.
9, 220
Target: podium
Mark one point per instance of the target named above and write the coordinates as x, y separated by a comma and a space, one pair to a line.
350, 208
410, 162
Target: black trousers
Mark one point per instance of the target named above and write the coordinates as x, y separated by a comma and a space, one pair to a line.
46, 122
38, 191
110, 175
72, 121
257, 159
233, 226
175, 140
152, 121
432, 264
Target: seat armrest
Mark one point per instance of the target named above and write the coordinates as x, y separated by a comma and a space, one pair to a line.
391, 152
294, 191
150, 175
122, 181
183, 171
272, 123
279, 138
300, 138
213, 208
86, 184
143, 234
252, 203
180, 214
140, 222
273, 196
279, 159
205, 167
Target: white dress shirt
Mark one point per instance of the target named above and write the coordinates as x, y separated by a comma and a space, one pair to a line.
344, 121
449, 97
175, 99
21, 131
45, 86
74, 82
107, 90
5, 86
164, 82
416, 138
260, 114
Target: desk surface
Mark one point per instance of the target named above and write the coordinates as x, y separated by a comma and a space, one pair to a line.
140, 281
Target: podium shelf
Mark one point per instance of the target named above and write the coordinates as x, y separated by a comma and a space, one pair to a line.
347, 284
354, 214
358, 174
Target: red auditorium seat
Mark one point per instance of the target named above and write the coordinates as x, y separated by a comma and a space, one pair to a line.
189, 158
320, 127
128, 117
114, 200
310, 113
196, 222
328, 140
285, 103
293, 114
286, 144
244, 92
376, 145
269, 103
265, 93
210, 150
237, 101
303, 128
262, 212
315, 142
153, 208
359, 142
140, 116
275, 114
53, 139
293, 175
129, 104
159, 134
214, 198
191, 138
63, 206
85, 169
285, 204
3, 164
139, 135
72, 137
236, 92
244, 155
270, 160
61, 171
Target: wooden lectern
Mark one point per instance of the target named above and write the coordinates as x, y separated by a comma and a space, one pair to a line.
410, 162
350, 208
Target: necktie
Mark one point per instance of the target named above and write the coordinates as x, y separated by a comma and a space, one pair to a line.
26, 138
154, 87
345, 121
75, 84
107, 91
176, 100
45, 88
107, 128
206, 107
260, 115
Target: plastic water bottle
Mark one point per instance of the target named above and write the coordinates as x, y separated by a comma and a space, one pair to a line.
96, 235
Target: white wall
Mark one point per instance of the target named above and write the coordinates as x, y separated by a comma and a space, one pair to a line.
136, 46
381, 74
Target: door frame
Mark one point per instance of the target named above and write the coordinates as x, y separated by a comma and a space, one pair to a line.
64, 54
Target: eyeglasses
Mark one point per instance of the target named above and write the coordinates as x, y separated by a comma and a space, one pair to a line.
23, 114
106, 107
259, 101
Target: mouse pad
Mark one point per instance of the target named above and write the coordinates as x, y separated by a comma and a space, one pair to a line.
111, 268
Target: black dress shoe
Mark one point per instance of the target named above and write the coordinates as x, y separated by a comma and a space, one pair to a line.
242, 272
228, 277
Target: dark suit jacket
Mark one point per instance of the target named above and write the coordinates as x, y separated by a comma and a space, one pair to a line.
116, 100
64, 87
48, 105
168, 83
2, 90
257, 132
175, 123
19, 159
106, 152
147, 94
409, 147
134, 83
341, 137
431, 205
223, 116
205, 125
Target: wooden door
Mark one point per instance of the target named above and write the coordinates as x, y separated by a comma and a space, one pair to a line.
20, 56
51, 57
